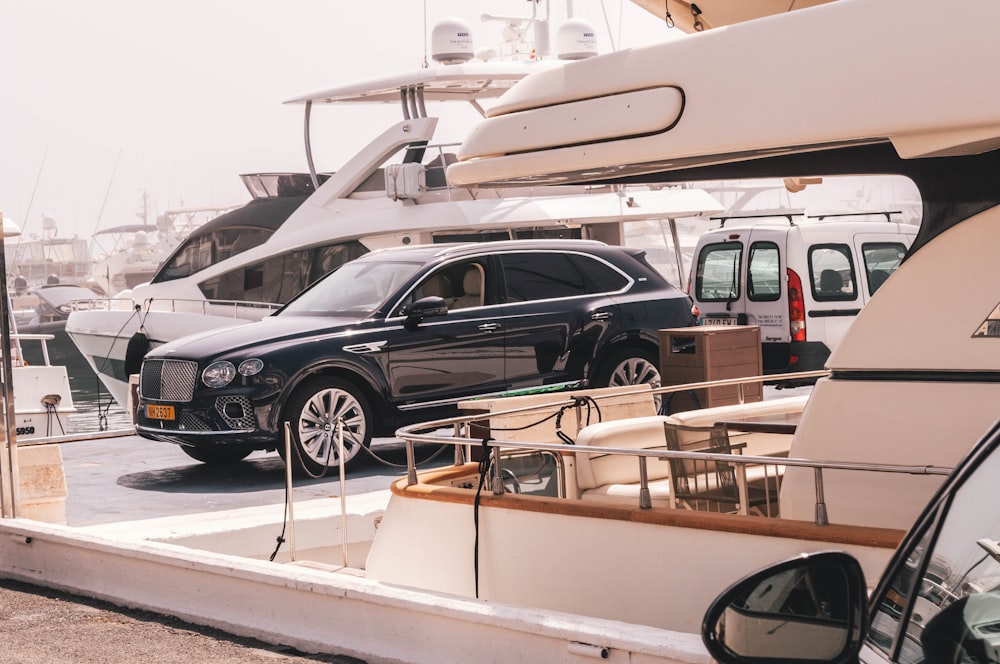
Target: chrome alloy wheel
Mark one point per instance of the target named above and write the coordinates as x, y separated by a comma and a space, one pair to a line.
317, 421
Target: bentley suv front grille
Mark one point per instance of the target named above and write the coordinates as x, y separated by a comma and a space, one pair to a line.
168, 380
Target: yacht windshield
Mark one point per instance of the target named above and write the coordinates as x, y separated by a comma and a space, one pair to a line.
357, 288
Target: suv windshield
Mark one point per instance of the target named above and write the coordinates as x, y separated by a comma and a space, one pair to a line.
357, 288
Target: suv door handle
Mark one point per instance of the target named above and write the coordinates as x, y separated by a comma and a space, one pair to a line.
600, 315
489, 327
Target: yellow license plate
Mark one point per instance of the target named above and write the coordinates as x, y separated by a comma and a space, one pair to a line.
157, 412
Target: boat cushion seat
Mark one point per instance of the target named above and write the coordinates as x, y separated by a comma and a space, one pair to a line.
615, 477
659, 492
598, 469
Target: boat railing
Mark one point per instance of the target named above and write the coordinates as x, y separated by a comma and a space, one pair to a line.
16, 340
457, 431
238, 309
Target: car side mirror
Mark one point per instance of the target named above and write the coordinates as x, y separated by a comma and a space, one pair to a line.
812, 608
425, 307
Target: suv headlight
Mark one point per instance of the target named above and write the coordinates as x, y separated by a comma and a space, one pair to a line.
218, 374
251, 367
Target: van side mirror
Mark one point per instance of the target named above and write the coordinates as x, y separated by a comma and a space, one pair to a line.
812, 608
425, 307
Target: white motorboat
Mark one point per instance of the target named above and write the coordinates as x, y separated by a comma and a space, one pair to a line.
244, 264
128, 255
42, 399
624, 574
48, 258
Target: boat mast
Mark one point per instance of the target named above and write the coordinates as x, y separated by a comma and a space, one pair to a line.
10, 500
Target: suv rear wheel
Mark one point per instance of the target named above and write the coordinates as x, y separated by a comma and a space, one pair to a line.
631, 366
313, 413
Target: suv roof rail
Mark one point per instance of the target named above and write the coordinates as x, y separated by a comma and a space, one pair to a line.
517, 244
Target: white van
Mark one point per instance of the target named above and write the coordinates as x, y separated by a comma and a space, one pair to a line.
801, 279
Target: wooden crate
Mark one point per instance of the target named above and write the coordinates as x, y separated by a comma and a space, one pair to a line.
705, 353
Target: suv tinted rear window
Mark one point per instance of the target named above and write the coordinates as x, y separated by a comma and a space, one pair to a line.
547, 275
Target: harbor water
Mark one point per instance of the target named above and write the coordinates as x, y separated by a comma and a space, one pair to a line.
96, 410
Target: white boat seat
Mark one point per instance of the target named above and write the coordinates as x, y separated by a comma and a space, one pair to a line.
615, 478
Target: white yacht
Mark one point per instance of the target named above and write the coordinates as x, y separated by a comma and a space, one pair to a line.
129, 255
244, 264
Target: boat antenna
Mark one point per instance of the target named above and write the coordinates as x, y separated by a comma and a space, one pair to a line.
607, 24
108, 190
24, 222
425, 65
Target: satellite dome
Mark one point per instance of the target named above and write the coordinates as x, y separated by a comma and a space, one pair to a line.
141, 239
451, 42
576, 40
48, 223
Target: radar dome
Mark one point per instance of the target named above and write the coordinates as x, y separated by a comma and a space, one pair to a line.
451, 42
576, 40
48, 223
141, 239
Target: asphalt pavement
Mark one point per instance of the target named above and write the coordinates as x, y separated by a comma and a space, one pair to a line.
127, 478
38, 625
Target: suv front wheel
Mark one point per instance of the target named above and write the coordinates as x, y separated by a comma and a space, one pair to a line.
313, 413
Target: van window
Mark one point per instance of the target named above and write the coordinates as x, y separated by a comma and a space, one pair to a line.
717, 278
831, 272
881, 259
763, 272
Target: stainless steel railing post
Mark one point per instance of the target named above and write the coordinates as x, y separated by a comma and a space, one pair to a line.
822, 518
645, 500
343, 488
289, 510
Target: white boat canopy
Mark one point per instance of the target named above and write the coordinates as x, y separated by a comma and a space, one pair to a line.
849, 73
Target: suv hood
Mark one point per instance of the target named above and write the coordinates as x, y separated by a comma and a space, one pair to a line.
268, 331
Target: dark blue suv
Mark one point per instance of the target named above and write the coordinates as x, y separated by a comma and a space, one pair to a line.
402, 335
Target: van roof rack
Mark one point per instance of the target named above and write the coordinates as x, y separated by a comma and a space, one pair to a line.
761, 214
831, 215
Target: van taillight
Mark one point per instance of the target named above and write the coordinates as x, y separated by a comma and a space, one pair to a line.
796, 308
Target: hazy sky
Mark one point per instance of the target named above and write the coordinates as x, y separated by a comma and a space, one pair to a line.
106, 99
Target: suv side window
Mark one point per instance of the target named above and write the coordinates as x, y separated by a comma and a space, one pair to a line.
881, 259
763, 272
831, 272
717, 278
542, 276
461, 286
943, 604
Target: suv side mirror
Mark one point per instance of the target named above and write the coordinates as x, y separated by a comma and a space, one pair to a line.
425, 307
812, 608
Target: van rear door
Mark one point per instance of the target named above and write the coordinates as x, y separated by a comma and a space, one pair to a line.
739, 280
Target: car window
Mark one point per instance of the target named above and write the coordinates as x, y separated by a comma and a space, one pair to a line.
357, 288
717, 278
543, 276
943, 605
461, 285
881, 259
763, 272
832, 273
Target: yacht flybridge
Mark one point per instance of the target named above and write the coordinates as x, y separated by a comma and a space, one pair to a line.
244, 264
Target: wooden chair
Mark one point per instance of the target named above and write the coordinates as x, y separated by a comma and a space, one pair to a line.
718, 486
